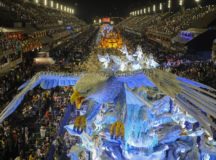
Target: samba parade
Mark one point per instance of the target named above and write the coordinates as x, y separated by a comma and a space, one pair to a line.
110, 39
117, 89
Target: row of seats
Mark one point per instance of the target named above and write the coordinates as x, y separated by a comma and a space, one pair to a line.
39, 16
168, 23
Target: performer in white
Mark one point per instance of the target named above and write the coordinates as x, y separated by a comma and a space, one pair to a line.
105, 60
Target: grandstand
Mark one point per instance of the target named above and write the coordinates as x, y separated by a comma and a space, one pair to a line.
163, 27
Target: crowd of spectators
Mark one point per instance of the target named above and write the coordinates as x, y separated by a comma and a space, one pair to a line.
70, 54
186, 65
37, 15
162, 27
30, 132
204, 72
12, 80
8, 45
181, 20
140, 23
67, 56
34, 134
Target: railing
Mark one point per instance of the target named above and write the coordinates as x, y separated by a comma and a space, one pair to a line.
8, 66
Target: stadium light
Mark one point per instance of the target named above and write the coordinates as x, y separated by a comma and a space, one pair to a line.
149, 10
161, 6
57, 6
45, 2
144, 10
36, 1
181, 2
51, 4
169, 4
154, 8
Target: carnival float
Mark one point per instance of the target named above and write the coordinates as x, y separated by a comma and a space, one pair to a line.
129, 109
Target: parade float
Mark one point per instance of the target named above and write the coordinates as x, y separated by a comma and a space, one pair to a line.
128, 109
109, 38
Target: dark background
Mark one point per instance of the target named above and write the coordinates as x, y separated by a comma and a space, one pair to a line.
89, 9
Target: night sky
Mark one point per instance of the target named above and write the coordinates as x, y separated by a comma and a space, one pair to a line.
89, 9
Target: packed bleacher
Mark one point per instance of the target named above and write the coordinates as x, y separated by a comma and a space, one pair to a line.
173, 24
74, 52
186, 65
36, 15
37, 126
67, 56
163, 27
